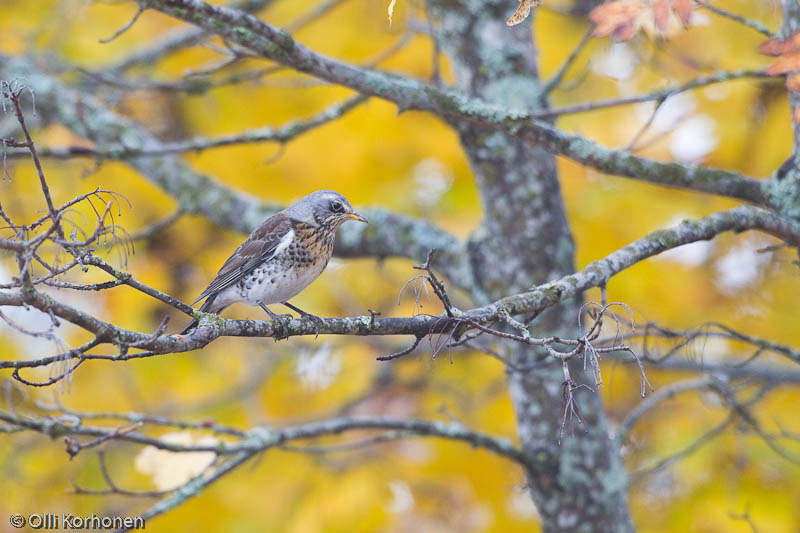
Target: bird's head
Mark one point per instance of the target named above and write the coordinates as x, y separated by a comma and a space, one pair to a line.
324, 208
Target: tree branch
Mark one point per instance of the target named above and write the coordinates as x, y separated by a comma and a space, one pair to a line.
659, 94
665, 393
277, 45
177, 39
283, 134
388, 234
597, 273
536, 300
196, 485
750, 23
260, 438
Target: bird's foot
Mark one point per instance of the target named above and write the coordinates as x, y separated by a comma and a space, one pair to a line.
281, 320
303, 314
317, 323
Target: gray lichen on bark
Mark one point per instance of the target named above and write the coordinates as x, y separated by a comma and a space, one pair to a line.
784, 187
524, 239
388, 235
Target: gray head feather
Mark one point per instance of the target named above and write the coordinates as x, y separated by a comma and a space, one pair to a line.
316, 206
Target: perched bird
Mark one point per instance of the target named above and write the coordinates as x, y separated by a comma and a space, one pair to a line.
281, 257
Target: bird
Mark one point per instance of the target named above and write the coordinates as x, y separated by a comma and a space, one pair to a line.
281, 257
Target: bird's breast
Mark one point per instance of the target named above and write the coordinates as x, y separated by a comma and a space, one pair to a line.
287, 273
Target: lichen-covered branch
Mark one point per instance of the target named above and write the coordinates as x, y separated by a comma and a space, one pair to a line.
241, 445
277, 45
597, 273
261, 438
536, 300
388, 234
176, 40
283, 134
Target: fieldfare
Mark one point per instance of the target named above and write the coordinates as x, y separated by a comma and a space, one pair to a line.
281, 257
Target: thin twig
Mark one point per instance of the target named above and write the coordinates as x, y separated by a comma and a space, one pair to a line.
656, 95
750, 23
126, 27
402, 352
558, 76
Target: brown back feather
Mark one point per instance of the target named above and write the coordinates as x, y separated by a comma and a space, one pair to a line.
259, 246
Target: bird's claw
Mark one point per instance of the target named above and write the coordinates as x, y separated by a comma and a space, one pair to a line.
303, 314
314, 318
317, 322
283, 322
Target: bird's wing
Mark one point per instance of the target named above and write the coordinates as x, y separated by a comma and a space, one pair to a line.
271, 237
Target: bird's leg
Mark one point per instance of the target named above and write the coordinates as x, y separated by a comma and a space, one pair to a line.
317, 320
280, 319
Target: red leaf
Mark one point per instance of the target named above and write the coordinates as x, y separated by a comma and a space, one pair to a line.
661, 15
787, 63
616, 19
621, 19
683, 8
777, 47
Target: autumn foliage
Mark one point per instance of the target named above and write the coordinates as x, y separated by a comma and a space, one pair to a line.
700, 457
623, 19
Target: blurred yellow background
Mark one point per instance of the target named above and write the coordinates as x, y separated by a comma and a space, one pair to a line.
376, 157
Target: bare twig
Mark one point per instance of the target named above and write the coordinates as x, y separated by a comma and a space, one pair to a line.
276, 45
665, 393
74, 447
402, 352
126, 27
746, 518
14, 94
750, 23
657, 95
113, 488
558, 76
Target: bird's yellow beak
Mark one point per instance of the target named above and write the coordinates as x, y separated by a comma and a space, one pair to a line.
356, 216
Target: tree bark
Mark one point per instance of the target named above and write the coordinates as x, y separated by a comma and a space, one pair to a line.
790, 26
524, 239
786, 185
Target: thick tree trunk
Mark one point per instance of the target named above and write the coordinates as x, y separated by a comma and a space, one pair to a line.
790, 26
524, 240
786, 186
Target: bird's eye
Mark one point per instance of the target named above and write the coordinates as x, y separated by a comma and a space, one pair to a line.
337, 206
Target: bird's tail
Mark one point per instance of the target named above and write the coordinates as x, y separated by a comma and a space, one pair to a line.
207, 307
